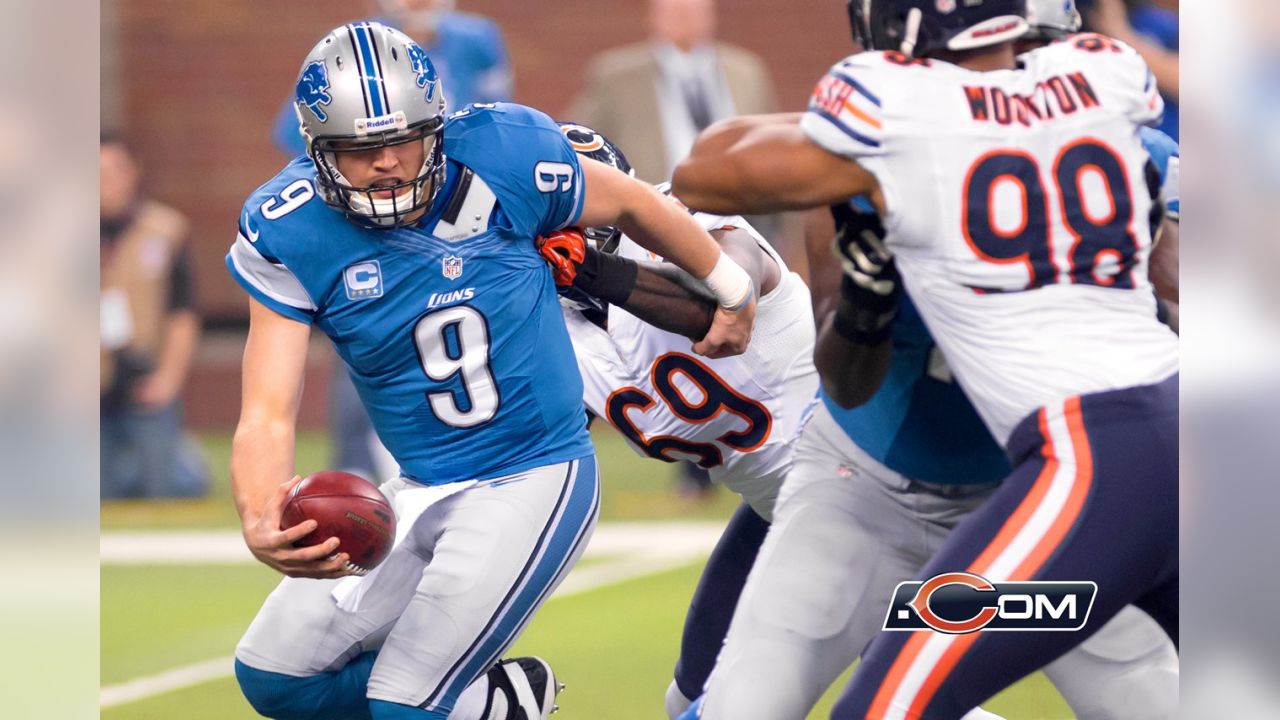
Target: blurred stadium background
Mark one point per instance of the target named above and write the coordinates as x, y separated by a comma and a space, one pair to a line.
195, 88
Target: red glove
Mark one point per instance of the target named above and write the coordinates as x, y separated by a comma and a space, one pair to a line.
564, 250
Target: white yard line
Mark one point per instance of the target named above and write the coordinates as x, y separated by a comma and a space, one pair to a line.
219, 547
168, 681
640, 548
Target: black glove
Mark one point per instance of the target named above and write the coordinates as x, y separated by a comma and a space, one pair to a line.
871, 287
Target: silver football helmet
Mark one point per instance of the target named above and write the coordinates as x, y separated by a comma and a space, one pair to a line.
366, 86
1051, 19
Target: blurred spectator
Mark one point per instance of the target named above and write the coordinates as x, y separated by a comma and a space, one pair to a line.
663, 92
471, 58
1151, 27
660, 94
149, 331
466, 49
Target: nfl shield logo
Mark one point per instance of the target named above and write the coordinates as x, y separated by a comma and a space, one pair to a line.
451, 267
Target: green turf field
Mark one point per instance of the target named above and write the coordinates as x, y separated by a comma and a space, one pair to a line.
613, 645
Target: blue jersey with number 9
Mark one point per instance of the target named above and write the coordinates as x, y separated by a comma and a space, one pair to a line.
450, 329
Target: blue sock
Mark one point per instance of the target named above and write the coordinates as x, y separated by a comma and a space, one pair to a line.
328, 696
383, 710
694, 710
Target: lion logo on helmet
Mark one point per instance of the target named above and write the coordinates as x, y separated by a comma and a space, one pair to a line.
313, 89
421, 65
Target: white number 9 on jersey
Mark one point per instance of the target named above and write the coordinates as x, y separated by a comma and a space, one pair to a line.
552, 176
454, 342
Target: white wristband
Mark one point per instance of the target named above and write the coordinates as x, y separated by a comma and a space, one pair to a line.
730, 284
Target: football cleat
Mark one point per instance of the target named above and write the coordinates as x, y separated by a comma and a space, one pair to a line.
523, 688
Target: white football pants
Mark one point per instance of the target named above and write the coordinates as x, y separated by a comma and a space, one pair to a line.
473, 561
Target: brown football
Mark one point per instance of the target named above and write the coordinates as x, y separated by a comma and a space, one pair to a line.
349, 508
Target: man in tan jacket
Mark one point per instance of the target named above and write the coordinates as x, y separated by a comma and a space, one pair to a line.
653, 98
149, 331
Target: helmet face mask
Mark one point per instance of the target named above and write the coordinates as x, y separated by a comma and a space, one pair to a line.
363, 87
383, 205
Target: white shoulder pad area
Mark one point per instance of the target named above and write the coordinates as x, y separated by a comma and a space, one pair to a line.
845, 114
1118, 73
469, 210
272, 279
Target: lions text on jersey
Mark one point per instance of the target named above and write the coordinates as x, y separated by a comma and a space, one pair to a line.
451, 329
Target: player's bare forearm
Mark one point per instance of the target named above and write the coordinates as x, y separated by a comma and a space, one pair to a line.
764, 164
660, 225
670, 299
851, 373
653, 221
1164, 262
275, 358
262, 457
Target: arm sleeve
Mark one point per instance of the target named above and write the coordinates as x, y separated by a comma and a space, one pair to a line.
268, 280
845, 114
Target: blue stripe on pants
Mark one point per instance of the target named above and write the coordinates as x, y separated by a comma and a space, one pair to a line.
575, 510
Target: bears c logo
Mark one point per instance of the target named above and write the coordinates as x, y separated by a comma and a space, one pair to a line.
958, 603
921, 603
582, 139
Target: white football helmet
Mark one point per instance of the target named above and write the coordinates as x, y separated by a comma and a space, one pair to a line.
1051, 19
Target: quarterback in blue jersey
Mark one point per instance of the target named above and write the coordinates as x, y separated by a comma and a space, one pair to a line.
408, 239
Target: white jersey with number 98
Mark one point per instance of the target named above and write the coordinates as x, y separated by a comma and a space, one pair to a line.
1018, 204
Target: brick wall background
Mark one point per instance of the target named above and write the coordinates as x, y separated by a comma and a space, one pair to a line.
196, 85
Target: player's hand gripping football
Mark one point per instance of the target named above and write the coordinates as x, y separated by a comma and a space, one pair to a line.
273, 546
564, 250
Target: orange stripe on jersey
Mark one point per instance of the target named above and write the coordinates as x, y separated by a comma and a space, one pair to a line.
858, 113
